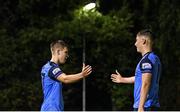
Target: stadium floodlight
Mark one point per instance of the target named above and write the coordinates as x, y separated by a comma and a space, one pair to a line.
86, 8
89, 6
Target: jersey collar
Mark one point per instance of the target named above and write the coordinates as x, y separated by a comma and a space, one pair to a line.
52, 63
147, 53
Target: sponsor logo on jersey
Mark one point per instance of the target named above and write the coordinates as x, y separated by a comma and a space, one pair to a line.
56, 70
146, 66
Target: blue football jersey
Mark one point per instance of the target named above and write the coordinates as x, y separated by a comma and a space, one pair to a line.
52, 88
150, 63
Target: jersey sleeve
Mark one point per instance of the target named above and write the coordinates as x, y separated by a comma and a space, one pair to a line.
54, 72
146, 66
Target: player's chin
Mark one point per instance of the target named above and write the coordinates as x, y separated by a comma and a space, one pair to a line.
137, 50
63, 61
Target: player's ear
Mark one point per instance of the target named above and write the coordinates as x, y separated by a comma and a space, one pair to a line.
144, 41
58, 52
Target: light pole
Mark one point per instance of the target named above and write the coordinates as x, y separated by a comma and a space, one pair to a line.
86, 8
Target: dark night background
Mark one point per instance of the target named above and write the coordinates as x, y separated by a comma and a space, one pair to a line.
28, 26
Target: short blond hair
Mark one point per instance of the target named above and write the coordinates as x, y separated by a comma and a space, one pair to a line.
147, 34
58, 44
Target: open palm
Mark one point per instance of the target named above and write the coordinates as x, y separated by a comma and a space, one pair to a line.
117, 78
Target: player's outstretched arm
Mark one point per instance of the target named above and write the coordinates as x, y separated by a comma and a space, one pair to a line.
86, 70
117, 78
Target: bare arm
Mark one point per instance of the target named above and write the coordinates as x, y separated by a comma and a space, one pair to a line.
86, 70
146, 82
117, 78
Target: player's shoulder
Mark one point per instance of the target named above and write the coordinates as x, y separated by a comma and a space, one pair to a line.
153, 57
50, 64
46, 65
45, 68
152, 54
54, 67
149, 58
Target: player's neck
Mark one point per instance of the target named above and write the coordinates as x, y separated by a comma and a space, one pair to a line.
55, 60
146, 51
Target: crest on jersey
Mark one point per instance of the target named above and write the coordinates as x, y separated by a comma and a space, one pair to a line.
56, 70
146, 66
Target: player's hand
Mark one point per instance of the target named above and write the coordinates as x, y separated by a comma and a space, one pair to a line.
86, 70
117, 78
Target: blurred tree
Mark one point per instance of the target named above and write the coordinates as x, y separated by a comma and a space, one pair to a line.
169, 30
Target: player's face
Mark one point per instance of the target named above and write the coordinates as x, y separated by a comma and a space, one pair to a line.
139, 43
63, 55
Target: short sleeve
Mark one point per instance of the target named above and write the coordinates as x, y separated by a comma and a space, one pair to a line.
54, 72
146, 66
